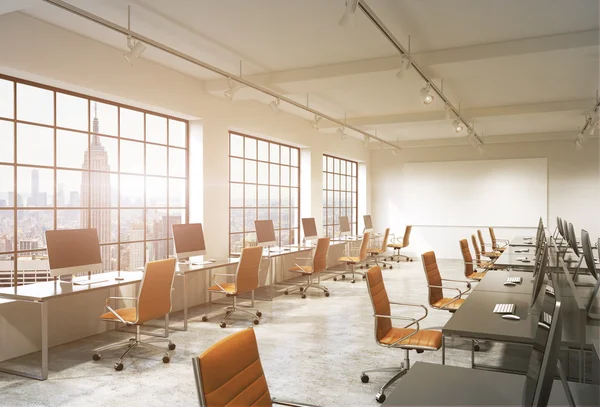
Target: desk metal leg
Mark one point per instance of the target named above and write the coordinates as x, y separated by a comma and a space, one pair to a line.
472, 354
443, 349
185, 303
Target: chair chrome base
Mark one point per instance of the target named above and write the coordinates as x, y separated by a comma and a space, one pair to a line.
256, 314
133, 343
352, 271
378, 261
397, 256
400, 371
303, 288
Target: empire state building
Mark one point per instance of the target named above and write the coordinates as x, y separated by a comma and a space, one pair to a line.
95, 191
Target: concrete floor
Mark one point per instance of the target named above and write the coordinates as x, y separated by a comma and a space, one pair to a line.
312, 350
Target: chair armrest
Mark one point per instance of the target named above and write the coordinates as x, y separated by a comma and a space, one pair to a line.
399, 239
121, 298
290, 403
406, 304
446, 288
468, 283
414, 321
112, 311
224, 275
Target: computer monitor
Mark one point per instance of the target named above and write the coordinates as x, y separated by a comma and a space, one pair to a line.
265, 233
543, 359
573, 240
368, 223
188, 240
540, 231
344, 226
310, 228
540, 274
72, 251
565, 230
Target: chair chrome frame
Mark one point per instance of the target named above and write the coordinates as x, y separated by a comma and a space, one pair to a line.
303, 288
377, 254
230, 310
352, 252
455, 298
396, 255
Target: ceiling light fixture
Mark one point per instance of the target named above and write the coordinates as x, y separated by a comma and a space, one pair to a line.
341, 132
449, 114
136, 48
317, 122
366, 141
274, 105
591, 123
458, 126
405, 65
394, 152
233, 88
427, 97
349, 17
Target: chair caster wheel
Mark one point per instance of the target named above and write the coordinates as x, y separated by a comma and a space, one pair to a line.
286, 292
326, 294
301, 289
258, 314
352, 281
204, 318
334, 278
420, 351
96, 356
364, 378
303, 296
364, 277
172, 346
166, 359
362, 267
411, 260
397, 261
343, 277
223, 325
380, 397
118, 366
476, 348
391, 267
256, 321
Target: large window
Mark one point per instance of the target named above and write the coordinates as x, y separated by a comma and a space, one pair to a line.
340, 194
264, 179
69, 161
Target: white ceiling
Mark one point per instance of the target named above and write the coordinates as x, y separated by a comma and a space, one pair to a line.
515, 66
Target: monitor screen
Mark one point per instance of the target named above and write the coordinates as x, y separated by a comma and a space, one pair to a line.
344, 225
265, 232
310, 228
565, 230
540, 274
540, 231
368, 222
572, 239
72, 251
188, 240
588, 254
559, 226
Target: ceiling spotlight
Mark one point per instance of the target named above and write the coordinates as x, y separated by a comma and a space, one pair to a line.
578, 144
427, 97
394, 153
405, 65
274, 105
349, 17
341, 132
317, 122
458, 126
136, 48
480, 148
366, 141
233, 88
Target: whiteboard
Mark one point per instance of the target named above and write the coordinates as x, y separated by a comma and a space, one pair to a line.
510, 193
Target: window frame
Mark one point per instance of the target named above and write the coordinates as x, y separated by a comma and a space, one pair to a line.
332, 228
115, 203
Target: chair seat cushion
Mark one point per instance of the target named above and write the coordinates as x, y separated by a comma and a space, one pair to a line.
229, 288
395, 245
422, 339
349, 259
454, 306
128, 314
500, 249
375, 251
302, 269
478, 275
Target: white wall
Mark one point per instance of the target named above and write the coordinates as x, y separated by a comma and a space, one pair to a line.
573, 189
38, 51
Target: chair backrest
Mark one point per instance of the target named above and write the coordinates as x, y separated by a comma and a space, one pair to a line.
154, 297
320, 258
362, 255
230, 373
406, 237
246, 276
466, 253
481, 241
379, 301
493, 237
432, 274
477, 252
385, 239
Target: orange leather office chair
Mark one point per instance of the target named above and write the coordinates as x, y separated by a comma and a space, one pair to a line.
318, 263
409, 337
377, 252
400, 243
229, 373
434, 283
488, 265
246, 280
493, 255
360, 256
470, 266
495, 246
153, 301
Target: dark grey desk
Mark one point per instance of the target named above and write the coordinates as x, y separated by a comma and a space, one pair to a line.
521, 241
436, 385
494, 281
510, 259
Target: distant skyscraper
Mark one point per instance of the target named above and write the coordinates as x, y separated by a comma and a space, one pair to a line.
95, 190
27, 244
74, 198
136, 258
35, 187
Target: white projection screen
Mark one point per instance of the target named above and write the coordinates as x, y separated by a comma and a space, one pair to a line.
503, 193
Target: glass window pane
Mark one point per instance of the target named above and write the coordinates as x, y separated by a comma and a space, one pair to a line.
35, 186
132, 256
71, 112
236, 220
176, 217
132, 157
274, 216
156, 192
294, 197
285, 175
250, 148
250, 217
235, 243
156, 160
104, 154
285, 218
274, 152
156, 250
274, 171
294, 177
71, 219
156, 228
104, 118
236, 195
102, 190
236, 171
71, 149
263, 173
263, 150
35, 104
31, 228
156, 129
263, 214
285, 155
131, 124
132, 190
7, 101
7, 188
236, 145
177, 133
105, 221
250, 171
250, 195
263, 196
177, 162
35, 145
273, 196
329, 164
7, 140
7, 231
285, 196
70, 187
294, 157
132, 225
177, 192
